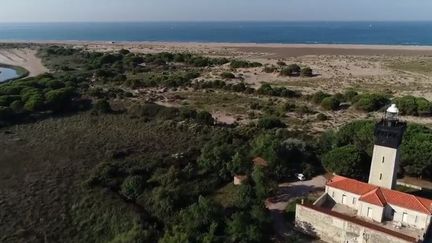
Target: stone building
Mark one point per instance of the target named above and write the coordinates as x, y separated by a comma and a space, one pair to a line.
372, 212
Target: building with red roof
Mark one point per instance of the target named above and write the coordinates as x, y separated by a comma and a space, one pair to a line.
375, 204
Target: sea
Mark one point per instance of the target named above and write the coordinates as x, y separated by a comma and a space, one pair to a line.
376, 33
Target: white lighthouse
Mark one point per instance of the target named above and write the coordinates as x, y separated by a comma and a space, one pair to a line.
385, 160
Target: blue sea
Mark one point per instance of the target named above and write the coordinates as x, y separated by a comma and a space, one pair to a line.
385, 33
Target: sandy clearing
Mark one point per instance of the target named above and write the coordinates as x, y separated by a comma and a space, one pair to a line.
25, 58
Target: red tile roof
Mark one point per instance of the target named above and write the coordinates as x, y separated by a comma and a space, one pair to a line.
350, 185
374, 197
381, 196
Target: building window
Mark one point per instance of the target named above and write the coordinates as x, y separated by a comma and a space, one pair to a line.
405, 218
344, 199
354, 200
369, 212
383, 159
416, 219
381, 176
333, 194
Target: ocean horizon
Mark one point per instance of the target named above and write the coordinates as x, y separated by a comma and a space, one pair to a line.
269, 32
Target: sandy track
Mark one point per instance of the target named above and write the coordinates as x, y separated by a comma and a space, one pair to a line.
25, 58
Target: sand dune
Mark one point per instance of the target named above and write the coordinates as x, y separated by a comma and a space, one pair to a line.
25, 58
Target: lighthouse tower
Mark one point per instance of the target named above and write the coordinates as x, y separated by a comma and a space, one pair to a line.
385, 160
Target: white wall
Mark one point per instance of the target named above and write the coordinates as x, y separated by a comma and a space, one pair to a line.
337, 194
414, 218
377, 211
384, 174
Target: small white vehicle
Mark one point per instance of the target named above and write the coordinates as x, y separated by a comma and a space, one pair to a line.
300, 177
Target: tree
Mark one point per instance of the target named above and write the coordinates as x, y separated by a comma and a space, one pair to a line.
34, 103
59, 99
371, 102
132, 187
330, 103
306, 72
347, 161
270, 123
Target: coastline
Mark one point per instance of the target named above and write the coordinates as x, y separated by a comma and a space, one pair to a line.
276, 50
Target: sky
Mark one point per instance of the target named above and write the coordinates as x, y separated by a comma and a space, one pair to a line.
213, 10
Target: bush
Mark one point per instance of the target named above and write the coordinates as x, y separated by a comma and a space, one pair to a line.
347, 161
34, 103
244, 64
306, 72
371, 102
414, 106
102, 106
270, 123
205, 118
132, 187
228, 75
330, 103
319, 96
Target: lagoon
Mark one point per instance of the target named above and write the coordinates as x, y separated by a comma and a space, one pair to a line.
7, 74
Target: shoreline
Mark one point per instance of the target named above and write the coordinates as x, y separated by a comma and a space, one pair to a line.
20, 71
228, 44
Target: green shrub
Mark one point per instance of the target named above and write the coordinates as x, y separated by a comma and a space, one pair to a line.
132, 187
414, 106
319, 96
244, 64
102, 106
371, 102
270, 123
306, 72
228, 75
330, 103
34, 103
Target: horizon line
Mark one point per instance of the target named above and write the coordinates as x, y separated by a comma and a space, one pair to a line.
204, 21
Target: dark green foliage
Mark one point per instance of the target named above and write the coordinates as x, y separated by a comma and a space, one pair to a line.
228, 75
59, 99
291, 70
244, 64
281, 63
415, 149
132, 187
306, 72
102, 107
416, 155
347, 161
330, 103
319, 96
414, 106
205, 118
350, 95
270, 123
371, 102
267, 89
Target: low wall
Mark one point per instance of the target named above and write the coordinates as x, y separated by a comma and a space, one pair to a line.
334, 227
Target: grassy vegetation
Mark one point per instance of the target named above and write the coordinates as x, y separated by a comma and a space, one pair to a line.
422, 66
102, 165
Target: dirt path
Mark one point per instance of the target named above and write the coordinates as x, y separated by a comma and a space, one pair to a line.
25, 58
